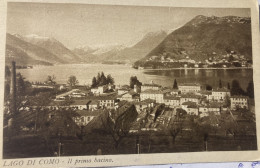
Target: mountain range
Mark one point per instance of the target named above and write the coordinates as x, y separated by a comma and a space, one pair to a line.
198, 39
203, 36
120, 53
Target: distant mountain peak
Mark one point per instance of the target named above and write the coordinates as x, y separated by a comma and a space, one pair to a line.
35, 36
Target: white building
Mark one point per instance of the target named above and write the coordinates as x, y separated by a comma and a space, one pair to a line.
99, 90
150, 86
190, 97
130, 96
220, 94
190, 107
172, 101
211, 108
238, 101
107, 102
189, 87
80, 104
156, 95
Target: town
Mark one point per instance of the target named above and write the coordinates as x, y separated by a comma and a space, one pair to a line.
230, 59
110, 118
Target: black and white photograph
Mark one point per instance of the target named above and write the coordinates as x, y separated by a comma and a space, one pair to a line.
104, 79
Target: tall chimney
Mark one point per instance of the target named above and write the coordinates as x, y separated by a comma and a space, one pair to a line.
13, 88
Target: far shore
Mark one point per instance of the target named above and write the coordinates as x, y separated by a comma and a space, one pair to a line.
198, 68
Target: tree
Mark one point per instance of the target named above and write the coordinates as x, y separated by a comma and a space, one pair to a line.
227, 100
174, 128
220, 83
50, 80
175, 85
94, 82
110, 79
250, 89
134, 81
72, 81
103, 79
98, 78
236, 89
208, 87
118, 122
228, 86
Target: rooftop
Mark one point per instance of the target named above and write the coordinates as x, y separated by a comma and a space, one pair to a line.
80, 102
151, 84
149, 101
239, 96
189, 84
221, 90
89, 113
171, 98
192, 106
150, 91
93, 102
189, 103
190, 96
205, 92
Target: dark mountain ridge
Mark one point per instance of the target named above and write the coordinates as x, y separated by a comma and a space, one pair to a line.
203, 36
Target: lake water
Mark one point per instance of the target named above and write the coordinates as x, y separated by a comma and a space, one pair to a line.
122, 74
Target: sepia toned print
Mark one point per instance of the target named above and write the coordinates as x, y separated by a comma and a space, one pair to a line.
96, 80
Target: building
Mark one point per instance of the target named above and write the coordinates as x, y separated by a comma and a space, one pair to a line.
130, 96
111, 87
93, 105
122, 91
77, 94
84, 116
172, 101
190, 107
174, 92
205, 93
190, 97
99, 90
238, 102
213, 108
150, 86
189, 87
80, 104
140, 106
220, 95
107, 102
156, 95
137, 89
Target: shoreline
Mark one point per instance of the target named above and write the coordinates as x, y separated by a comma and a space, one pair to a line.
197, 68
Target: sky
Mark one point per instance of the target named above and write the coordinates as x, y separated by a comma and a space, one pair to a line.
91, 25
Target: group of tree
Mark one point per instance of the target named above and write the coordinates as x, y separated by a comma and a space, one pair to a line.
50, 80
134, 81
101, 80
237, 90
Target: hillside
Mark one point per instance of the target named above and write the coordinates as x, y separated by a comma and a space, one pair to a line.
21, 58
204, 37
26, 53
139, 50
121, 54
54, 46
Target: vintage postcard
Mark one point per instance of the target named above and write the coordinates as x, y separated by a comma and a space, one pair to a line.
115, 83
